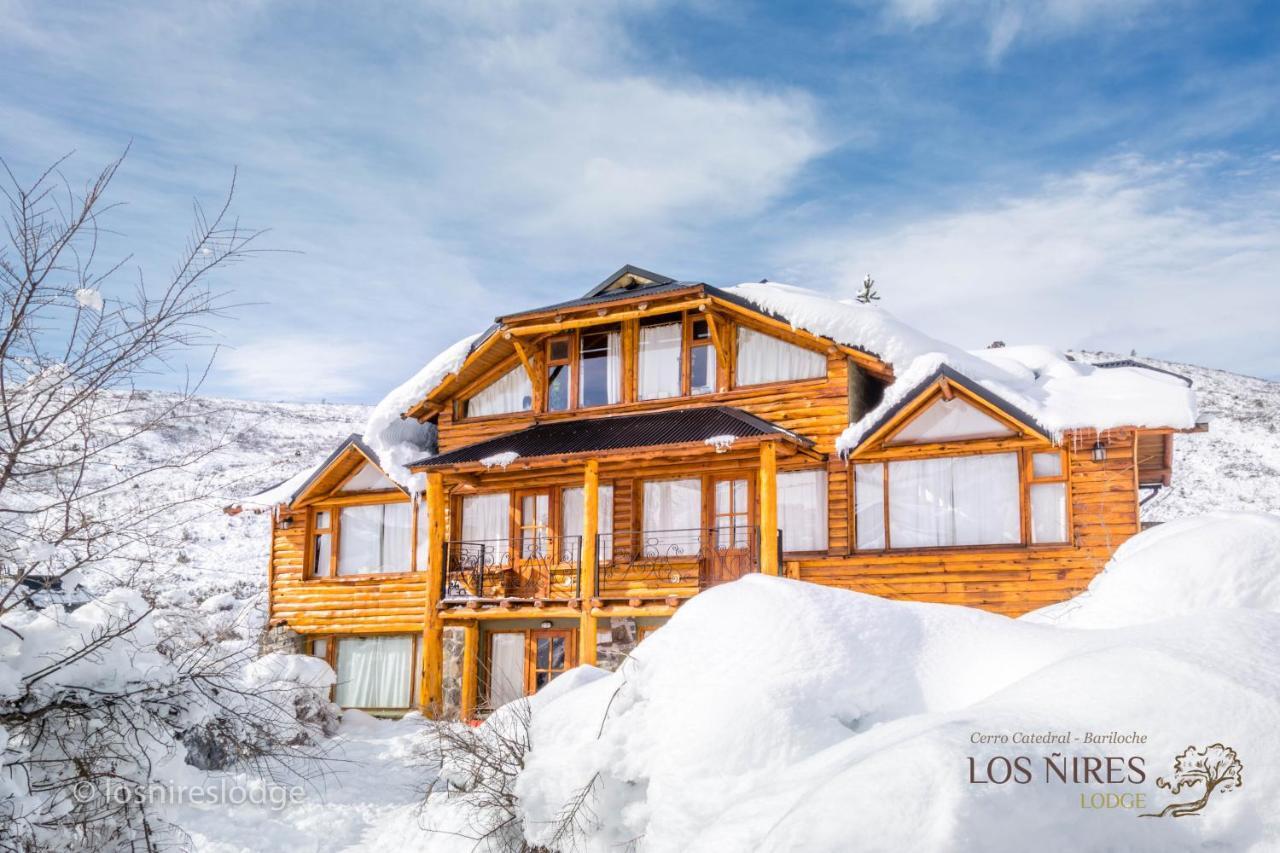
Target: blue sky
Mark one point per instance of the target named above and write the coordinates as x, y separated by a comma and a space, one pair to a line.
1099, 174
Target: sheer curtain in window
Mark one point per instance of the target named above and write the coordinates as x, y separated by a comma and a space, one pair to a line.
512, 392
966, 500
375, 672
571, 519
764, 358
614, 362
506, 668
802, 510
672, 514
375, 539
868, 490
660, 361
486, 519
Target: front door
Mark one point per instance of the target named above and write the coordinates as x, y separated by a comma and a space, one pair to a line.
534, 544
550, 654
731, 534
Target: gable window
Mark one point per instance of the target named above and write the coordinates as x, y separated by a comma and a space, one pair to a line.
601, 368
368, 479
702, 358
802, 510
375, 673
1047, 497
559, 373
950, 420
659, 358
511, 392
765, 358
374, 539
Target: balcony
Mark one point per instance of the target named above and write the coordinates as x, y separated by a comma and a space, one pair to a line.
540, 568
664, 563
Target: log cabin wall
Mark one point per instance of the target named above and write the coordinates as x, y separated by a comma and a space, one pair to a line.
379, 604
1010, 579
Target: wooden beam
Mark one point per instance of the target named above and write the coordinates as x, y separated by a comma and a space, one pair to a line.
945, 387
470, 669
767, 488
648, 311
722, 356
524, 359
587, 624
433, 628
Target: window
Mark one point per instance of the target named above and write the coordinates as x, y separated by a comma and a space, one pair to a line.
601, 369
764, 358
868, 490
322, 544
368, 479
659, 359
950, 420
511, 392
571, 521
672, 516
374, 539
702, 358
802, 510
505, 681
559, 374
486, 520
1047, 497
550, 656
375, 672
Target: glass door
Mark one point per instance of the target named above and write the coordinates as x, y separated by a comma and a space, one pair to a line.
551, 654
534, 542
731, 533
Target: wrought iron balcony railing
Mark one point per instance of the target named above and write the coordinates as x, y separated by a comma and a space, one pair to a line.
684, 560
534, 567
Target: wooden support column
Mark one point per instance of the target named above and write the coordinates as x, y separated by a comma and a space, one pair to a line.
767, 488
470, 668
587, 623
433, 628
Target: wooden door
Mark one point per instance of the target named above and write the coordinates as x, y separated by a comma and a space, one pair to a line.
549, 654
731, 534
534, 543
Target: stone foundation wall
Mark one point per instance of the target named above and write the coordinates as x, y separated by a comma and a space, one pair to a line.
282, 638
614, 644
451, 673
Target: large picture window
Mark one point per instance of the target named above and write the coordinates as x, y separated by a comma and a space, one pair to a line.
938, 502
375, 538
375, 672
511, 392
764, 358
802, 510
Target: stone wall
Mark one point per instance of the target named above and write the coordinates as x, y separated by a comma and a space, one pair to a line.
451, 678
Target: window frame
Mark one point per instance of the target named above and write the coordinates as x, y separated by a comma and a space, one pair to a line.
826, 508
330, 657
688, 344
759, 330
529, 635
334, 507
1025, 481
462, 400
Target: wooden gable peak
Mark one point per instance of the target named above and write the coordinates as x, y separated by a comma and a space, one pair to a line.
629, 277
349, 460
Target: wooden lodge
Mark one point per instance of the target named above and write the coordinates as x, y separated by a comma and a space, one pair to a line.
599, 462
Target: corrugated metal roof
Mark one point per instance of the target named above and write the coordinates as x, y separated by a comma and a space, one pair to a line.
607, 297
678, 426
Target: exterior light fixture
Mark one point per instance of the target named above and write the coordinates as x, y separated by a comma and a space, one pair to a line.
546, 623
286, 522
1099, 452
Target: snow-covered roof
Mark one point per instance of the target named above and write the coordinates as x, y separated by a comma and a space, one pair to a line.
1057, 393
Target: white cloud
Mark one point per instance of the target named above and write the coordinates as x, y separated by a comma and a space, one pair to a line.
1178, 258
296, 368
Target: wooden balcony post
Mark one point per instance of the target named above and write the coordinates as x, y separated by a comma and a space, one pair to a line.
433, 627
587, 560
470, 668
768, 491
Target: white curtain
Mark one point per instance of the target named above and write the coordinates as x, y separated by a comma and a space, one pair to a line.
506, 668
964, 500
660, 361
571, 501
422, 535
868, 490
512, 392
802, 510
374, 538
950, 420
486, 519
672, 516
375, 672
614, 366
1048, 512
764, 358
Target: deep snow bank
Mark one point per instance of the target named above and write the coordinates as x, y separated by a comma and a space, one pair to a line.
1220, 559
775, 715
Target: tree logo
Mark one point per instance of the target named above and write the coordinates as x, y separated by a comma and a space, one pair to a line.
1215, 767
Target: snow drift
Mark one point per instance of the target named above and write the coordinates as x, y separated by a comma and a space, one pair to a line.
775, 715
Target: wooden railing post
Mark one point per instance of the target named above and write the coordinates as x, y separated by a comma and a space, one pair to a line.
433, 627
588, 560
767, 488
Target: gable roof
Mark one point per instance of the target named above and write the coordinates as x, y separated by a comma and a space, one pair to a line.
635, 276
353, 443
619, 432
926, 386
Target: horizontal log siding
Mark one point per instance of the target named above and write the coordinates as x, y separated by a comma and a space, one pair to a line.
386, 604
817, 409
1104, 499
